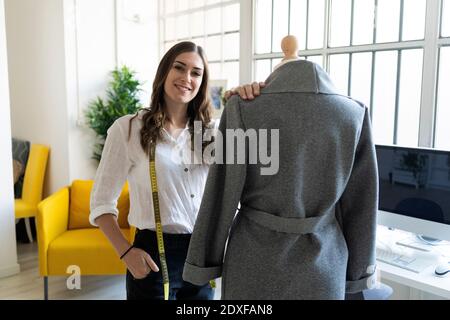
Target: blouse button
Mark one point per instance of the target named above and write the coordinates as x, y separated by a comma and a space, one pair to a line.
192, 196
186, 169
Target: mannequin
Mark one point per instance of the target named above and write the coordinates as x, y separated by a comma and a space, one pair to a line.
289, 46
309, 230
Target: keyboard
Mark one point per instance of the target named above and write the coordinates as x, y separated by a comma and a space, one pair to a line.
407, 262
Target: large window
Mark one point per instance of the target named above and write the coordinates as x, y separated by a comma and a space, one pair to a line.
372, 49
392, 55
213, 24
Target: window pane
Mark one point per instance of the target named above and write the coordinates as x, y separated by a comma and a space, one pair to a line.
182, 5
197, 23
316, 59
388, 20
197, 3
183, 26
414, 19
170, 29
263, 27
231, 73
168, 45
280, 23
214, 48
384, 96
215, 71
316, 24
276, 62
409, 99
169, 6
363, 20
232, 46
231, 16
213, 21
442, 139
361, 77
200, 42
339, 71
262, 69
340, 23
445, 32
298, 22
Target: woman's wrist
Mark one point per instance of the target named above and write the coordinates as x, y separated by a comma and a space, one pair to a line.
126, 252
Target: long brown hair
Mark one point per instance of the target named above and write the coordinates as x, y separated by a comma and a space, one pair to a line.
199, 109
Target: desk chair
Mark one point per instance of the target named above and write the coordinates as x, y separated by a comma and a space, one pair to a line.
33, 184
415, 207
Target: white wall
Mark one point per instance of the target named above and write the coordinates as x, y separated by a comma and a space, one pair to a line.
90, 56
101, 35
8, 261
61, 55
35, 40
139, 41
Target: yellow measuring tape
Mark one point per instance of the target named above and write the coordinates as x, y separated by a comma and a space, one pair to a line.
159, 233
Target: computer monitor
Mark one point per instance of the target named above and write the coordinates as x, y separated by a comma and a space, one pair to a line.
414, 190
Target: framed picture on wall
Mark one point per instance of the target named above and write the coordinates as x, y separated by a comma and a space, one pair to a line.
217, 89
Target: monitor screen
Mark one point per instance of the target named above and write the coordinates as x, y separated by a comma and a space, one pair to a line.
414, 182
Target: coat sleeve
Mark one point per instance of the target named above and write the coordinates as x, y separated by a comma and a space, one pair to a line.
358, 210
220, 200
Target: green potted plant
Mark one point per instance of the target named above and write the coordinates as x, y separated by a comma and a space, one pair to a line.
122, 99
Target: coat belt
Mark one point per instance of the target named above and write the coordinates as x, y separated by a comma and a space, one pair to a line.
288, 225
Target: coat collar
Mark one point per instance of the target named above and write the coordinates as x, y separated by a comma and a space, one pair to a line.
300, 76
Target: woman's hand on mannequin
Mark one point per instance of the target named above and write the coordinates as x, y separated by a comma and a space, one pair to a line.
246, 92
139, 263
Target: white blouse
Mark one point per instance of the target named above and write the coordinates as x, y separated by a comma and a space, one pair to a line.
180, 185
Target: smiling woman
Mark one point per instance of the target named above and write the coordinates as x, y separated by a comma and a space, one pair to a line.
180, 97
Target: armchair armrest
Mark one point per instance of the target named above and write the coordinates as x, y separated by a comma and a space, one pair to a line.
51, 221
132, 234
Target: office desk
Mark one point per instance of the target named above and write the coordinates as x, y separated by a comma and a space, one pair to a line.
410, 285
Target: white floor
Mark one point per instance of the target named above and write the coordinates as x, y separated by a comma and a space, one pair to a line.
28, 285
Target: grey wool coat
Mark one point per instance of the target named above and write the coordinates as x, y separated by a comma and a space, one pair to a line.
307, 232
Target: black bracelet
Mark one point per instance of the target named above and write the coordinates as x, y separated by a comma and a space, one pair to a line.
125, 253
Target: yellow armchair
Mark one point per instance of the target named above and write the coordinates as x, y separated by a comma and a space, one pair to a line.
33, 184
65, 237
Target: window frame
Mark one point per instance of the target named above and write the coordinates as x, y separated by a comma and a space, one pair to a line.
430, 45
442, 42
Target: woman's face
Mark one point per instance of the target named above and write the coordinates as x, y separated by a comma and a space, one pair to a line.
184, 78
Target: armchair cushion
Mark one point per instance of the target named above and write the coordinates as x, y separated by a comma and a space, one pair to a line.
85, 248
80, 205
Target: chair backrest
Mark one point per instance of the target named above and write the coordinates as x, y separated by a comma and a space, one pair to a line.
79, 208
21, 152
33, 183
418, 207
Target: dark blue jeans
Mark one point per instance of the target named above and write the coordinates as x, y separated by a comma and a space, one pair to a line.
151, 287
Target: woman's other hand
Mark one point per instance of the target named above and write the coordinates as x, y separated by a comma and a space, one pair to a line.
246, 92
